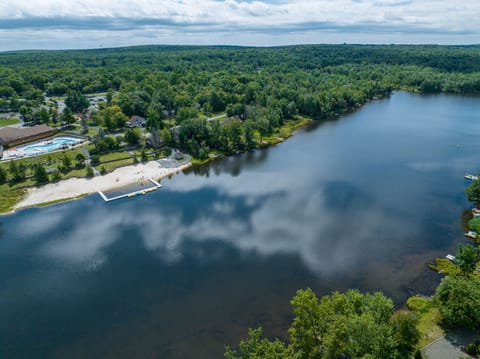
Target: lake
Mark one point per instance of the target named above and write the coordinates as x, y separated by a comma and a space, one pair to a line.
363, 201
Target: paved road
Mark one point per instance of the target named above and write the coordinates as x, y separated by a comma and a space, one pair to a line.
171, 162
217, 117
450, 346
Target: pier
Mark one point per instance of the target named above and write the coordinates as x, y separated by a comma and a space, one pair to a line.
156, 185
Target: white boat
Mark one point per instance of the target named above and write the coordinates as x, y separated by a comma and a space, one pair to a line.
471, 234
471, 177
450, 257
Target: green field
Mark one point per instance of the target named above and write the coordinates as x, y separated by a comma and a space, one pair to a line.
8, 121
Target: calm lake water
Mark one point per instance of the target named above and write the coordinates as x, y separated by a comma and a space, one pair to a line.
364, 201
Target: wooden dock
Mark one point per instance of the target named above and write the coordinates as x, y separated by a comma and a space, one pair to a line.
156, 186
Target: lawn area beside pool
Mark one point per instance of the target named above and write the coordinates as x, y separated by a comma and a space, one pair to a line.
9, 121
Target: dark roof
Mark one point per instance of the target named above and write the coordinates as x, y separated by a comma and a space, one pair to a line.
9, 134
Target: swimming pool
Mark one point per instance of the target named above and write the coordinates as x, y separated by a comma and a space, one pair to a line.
49, 145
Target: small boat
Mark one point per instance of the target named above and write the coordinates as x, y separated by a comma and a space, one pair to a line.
131, 195
471, 177
450, 257
471, 234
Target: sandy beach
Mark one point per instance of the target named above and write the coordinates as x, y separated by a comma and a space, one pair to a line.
75, 187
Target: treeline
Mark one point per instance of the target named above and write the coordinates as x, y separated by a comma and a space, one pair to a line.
28, 74
260, 87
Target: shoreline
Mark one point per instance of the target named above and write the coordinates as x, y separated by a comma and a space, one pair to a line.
74, 188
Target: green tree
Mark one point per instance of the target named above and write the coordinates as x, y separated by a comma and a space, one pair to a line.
263, 127
95, 160
474, 224
349, 325
3, 175
143, 156
67, 116
76, 101
257, 347
90, 172
56, 175
40, 174
166, 136
66, 162
466, 257
80, 160
473, 191
406, 332
248, 131
13, 169
43, 115
459, 301
186, 113
113, 117
133, 136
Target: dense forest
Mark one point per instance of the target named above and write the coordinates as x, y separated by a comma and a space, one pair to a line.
260, 87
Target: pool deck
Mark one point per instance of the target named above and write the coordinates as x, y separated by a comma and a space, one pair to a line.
132, 194
18, 152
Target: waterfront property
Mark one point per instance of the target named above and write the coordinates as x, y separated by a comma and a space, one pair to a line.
12, 136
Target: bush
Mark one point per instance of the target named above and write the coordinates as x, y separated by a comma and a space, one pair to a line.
418, 354
474, 224
56, 175
472, 349
103, 170
459, 301
418, 304
90, 172
95, 160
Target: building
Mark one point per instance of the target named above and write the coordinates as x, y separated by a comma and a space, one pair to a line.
13, 136
136, 121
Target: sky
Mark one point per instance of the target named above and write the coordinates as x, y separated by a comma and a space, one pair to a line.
76, 24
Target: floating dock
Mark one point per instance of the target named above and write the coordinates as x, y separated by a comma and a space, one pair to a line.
156, 186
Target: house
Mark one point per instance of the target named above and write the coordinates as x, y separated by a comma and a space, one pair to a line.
136, 121
13, 136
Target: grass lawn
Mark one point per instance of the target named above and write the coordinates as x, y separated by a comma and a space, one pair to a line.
429, 319
46, 159
8, 121
444, 266
114, 156
428, 327
9, 197
110, 166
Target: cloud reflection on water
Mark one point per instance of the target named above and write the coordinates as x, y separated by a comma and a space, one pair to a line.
329, 225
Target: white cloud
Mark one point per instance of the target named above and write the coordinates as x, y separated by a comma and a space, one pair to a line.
242, 22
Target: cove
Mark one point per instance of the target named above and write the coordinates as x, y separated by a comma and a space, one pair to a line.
363, 201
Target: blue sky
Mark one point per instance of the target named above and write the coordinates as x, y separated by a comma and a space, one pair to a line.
61, 24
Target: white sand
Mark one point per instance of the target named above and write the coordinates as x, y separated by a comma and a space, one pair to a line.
75, 187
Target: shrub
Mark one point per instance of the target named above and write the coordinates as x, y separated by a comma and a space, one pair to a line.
90, 172
472, 349
418, 304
